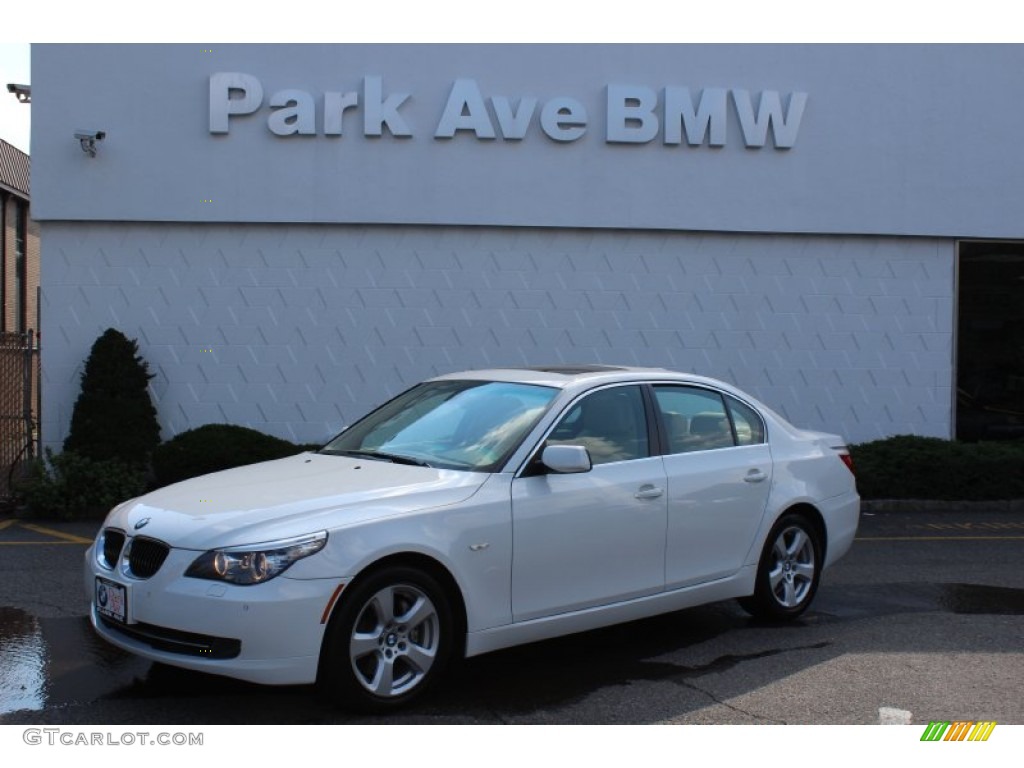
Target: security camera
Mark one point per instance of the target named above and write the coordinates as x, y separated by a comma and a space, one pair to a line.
22, 92
88, 140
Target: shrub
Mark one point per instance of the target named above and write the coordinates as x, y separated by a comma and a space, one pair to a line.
911, 467
113, 417
67, 485
213, 447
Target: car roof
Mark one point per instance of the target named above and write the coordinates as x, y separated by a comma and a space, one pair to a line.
566, 376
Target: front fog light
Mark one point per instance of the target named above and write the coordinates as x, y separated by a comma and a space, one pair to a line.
257, 563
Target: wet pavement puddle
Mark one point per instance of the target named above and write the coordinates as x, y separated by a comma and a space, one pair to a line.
61, 660
22, 662
975, 599
856, 601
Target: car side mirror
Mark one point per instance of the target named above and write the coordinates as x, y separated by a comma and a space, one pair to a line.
566, 459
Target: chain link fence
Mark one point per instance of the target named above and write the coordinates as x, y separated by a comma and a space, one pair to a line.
19, 407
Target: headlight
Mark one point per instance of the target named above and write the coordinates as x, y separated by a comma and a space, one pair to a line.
257, 563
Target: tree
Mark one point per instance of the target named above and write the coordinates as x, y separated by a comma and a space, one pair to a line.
113, 417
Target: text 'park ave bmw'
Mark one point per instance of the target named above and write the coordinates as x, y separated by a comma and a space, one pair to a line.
473, 512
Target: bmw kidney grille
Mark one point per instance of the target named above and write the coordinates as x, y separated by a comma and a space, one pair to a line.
139, 557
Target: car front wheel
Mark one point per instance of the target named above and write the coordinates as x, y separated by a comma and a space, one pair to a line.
789, 570
388, 642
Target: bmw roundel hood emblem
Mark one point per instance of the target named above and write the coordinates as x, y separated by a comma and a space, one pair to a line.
142, 523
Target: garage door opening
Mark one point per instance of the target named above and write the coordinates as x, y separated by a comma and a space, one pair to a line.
990, 342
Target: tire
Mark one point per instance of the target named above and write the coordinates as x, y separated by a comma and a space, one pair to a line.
388, 641
789, 570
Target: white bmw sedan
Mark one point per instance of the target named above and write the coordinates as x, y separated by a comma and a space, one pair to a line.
473, 512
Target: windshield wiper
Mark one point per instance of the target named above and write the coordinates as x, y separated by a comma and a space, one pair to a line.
394, 458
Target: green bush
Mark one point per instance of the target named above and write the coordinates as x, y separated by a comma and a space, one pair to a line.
911, 467
213, 447
67, 485
113, 417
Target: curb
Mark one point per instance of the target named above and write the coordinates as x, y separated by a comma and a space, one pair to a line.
882, 506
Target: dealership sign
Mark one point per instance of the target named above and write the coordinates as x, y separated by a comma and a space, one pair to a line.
633, 114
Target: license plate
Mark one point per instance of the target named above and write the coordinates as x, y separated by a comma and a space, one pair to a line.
112, 600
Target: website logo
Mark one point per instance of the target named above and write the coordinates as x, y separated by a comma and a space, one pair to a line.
958, 730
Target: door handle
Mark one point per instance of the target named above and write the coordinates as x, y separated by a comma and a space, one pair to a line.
755, 476
648, 492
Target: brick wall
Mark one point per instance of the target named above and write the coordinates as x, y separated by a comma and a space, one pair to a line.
13, 205
10, 205
15, 431
33, 275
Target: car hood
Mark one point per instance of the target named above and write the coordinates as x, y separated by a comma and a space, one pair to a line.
288, 497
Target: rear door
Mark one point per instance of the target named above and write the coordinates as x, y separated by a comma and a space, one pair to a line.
719, 473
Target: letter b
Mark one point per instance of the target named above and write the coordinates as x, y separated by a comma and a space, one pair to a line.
631, 118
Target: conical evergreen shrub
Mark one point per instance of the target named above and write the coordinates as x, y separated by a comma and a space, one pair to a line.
113, 417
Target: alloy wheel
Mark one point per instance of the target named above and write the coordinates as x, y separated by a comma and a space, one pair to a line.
395, 640
792, 570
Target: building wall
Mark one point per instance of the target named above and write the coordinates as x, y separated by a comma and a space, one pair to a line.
13, 206
298, 329
913, 140
8, 207
10, 216
19, 362
33, 275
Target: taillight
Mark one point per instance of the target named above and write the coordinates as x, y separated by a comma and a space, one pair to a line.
848, 461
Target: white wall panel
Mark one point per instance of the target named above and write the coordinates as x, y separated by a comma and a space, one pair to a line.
295, 330
919, 140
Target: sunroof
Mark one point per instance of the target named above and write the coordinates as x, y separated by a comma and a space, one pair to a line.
573, 370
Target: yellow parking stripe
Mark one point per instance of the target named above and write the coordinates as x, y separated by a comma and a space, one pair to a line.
42, 543
68, 537
61, 536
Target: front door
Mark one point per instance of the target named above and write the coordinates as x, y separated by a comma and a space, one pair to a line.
598, 537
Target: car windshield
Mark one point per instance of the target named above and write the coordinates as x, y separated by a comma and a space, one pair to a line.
469, 425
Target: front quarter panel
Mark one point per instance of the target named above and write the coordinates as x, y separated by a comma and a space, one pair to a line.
472, 540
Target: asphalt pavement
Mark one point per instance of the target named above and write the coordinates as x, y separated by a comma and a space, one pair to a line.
923, 617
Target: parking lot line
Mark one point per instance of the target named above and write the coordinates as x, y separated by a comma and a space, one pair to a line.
69, 537
40, 543
60, 536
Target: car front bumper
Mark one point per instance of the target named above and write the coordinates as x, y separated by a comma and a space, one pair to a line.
267, 633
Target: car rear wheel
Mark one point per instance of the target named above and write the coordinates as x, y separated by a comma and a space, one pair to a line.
789, 570
388, 642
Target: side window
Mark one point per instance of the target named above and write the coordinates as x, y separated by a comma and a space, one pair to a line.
694, 419
748, 424
610, 424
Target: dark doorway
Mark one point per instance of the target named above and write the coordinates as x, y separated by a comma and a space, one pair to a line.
990, 342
